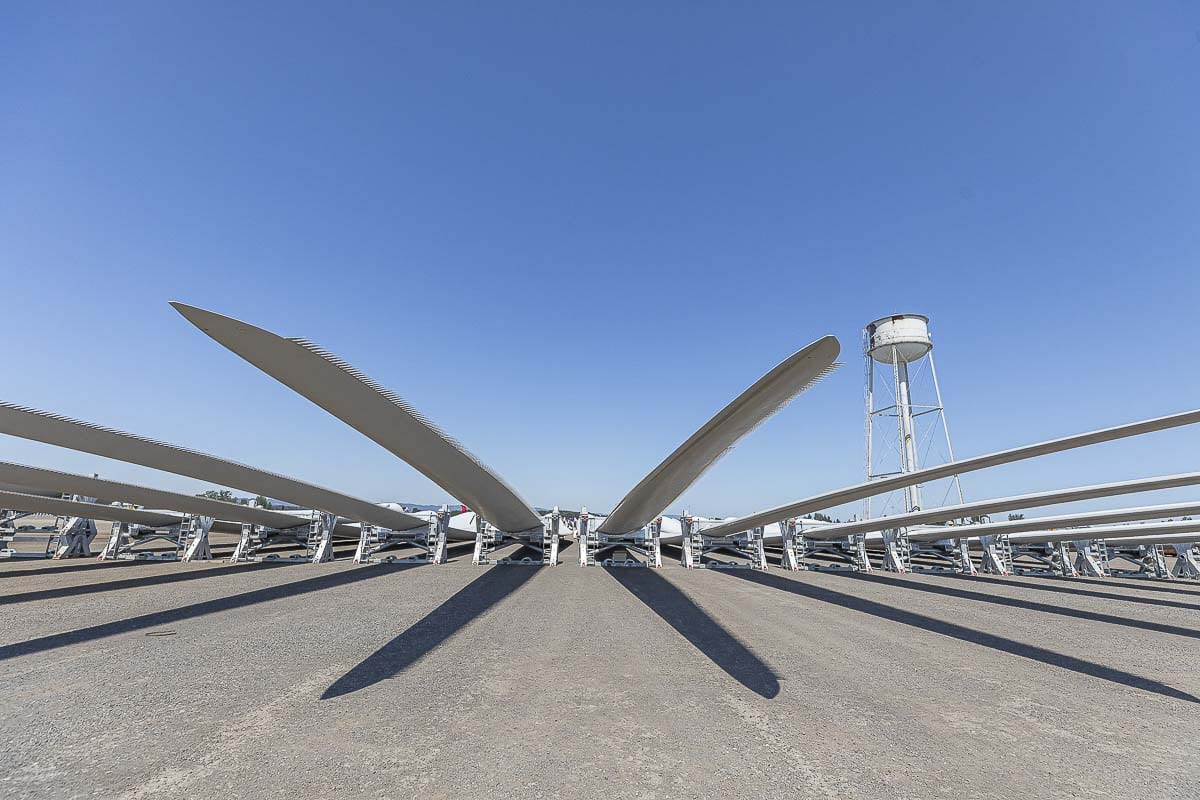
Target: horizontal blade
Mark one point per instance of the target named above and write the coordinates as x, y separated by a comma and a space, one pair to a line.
21, 489
65, 482
1147, 533
41, 426
748, 410
1053, 527
858, 491
380, 415
1037, 500
77, 508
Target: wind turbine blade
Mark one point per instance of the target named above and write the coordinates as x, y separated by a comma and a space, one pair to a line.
1146, 533
1035, 500
858, 491
380, 415
1056, 528
751, 408
64, 482
77, 508
19, 489
41, 426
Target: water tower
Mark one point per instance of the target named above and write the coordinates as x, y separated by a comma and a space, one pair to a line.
902, 342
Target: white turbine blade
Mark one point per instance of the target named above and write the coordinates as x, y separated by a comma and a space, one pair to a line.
77, 508
20, 489
858, 491
380, 415
65, 482
1036, 500
1143, 534
706, 446
41, 426
1058, 523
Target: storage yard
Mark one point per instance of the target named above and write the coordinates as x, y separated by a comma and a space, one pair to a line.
615, 401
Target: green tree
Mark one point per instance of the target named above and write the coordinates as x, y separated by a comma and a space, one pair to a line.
1015, 517
263, 502
219, 494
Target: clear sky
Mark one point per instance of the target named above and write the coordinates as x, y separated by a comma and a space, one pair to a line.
570, 234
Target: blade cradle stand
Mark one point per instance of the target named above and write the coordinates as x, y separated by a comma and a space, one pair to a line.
189, 537
697, 546
430, 540
543, 540
849, 551
8, 536
638, 549
949, 555
997, 554
1150, 559
1055, 560
316, 538
72, 537
1187, 560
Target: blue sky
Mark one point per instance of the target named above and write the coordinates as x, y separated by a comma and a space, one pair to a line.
571, 234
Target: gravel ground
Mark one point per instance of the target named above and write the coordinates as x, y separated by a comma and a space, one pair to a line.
212, 680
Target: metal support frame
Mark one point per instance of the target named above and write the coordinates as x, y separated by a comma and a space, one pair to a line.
8, 519
691, 544
1187, 560
545, 540
190, 538
430, 540
72, 538
997, 554
897, 551
951, 555
316, 537
1054, 559
962, 557
587, 539
1151, 561
320, 537
794, 542
601, 549
1091, 558
10, 536
699, 550
194, 538
851, 551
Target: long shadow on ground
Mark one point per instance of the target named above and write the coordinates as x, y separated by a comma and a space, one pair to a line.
1141, 584
1028, 605
180, 613
1048, 586
184, 573
706, 634
59, 567
962, 633
437, 626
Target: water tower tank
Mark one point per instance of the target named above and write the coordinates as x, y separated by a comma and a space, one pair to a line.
904, 335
